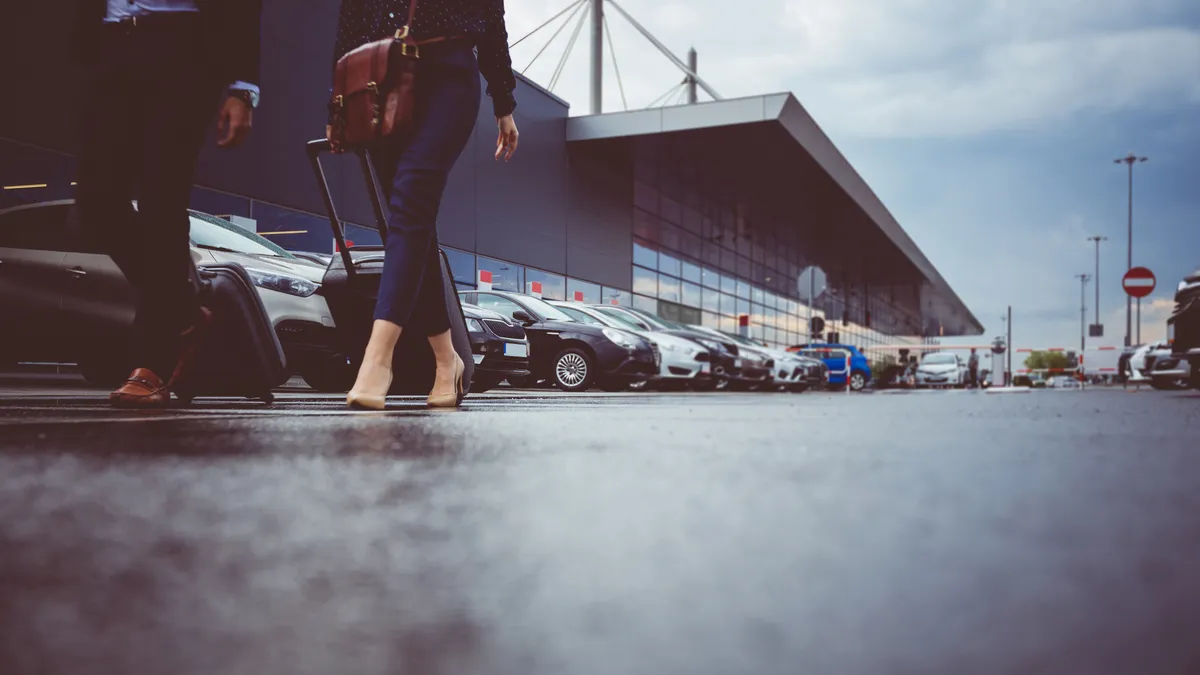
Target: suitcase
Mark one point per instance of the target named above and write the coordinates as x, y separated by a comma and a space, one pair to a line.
240, 354
351, 285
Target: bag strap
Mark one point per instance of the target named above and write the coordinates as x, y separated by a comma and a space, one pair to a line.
403, 33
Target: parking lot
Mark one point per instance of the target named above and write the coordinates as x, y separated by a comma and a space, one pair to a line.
534, 533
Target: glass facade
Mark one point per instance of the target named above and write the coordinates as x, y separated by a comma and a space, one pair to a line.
698, 255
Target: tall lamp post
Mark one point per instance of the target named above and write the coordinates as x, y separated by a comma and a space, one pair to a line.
1083, 279
1130, 160
1097, 239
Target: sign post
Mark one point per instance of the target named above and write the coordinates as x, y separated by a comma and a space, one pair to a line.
1139, 282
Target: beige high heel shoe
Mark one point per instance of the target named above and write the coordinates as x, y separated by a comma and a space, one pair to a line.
364, 401
452, 399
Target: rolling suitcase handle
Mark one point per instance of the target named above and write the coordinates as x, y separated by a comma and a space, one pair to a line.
315, 149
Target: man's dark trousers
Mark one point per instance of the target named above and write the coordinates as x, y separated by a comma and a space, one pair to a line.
148, 101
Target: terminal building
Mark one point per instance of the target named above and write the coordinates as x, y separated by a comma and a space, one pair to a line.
703, 213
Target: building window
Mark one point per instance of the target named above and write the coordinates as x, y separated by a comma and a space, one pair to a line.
583, 291
728, 305
668, 288
711, 320
743, 307
462, 266
360, 235
728, 284
645, 281
505, 276
645, 256
691, 272
615, 296
756, 295
692, 295
710, 278
554, 287
645, 304
668, 264
712, 300
743, 290
728, 324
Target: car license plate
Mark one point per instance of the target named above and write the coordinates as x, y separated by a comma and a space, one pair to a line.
737, 363
516, 350
704, 367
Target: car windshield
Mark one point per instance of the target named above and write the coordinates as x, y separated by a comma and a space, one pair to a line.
581, 316
939, 360
622, 320
221, 235
545, 310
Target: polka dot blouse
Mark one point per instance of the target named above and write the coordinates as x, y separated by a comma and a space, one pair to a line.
362, 21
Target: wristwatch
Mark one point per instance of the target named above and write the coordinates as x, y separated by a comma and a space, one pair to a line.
248, 96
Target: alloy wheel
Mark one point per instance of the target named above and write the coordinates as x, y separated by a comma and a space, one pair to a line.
857, 381
571, 370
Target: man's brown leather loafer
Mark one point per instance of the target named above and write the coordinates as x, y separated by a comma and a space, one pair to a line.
143, 389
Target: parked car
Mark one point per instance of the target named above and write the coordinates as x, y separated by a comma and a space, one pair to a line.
723, 354
572, 355
795, 372
1183, 326
499, 347
758, 364
683, 360
74, 306
1063, 382
834, 356
941, 369
1141, 362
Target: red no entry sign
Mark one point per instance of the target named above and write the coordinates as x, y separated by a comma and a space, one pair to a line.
1138, 282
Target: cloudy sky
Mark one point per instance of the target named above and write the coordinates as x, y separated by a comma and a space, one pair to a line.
988, 127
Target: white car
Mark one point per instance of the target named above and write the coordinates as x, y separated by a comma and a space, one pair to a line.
680, 356
1141, 362
290, 290
941, 369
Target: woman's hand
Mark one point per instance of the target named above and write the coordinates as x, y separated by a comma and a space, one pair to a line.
333, 147
506, 142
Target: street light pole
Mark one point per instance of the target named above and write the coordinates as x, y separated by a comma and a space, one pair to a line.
1083, 279
1097, 239
1130, 160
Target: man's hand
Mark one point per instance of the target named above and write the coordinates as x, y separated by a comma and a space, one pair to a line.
506, 141
234, 122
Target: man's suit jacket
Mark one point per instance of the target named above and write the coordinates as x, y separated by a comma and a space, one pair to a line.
232, 27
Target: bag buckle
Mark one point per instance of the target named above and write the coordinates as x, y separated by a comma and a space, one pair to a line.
402, 35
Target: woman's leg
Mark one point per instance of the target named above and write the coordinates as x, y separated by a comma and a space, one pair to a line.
411, 292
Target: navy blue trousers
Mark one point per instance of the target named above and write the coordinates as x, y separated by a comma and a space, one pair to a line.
413, 174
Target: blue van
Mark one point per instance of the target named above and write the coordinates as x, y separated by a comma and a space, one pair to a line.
834, 357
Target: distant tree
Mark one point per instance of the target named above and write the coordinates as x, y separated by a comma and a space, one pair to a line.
1047, 361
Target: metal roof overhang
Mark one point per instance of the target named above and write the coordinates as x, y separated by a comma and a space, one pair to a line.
771, 151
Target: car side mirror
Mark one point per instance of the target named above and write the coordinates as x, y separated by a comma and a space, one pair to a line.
523, 316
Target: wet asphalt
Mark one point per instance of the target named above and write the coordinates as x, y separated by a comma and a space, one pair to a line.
1051, 532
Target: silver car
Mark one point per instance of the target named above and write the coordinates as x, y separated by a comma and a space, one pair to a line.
941, 369
55, 293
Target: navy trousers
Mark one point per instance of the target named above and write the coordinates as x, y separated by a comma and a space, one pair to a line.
413, 175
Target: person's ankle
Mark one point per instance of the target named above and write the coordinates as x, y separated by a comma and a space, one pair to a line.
446, 362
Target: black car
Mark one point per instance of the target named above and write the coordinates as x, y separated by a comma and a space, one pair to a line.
571, 355
723, 354
498, 345
1183, 327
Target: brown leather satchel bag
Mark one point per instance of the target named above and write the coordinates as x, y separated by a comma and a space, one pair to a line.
373, 90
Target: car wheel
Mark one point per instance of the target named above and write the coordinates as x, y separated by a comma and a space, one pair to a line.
858, 380
574, 370
482, 384
332, 376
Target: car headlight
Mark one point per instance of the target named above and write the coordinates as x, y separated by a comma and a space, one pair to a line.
474, 326
283, 283
621, 339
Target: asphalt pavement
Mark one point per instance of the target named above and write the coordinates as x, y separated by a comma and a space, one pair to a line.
947, 532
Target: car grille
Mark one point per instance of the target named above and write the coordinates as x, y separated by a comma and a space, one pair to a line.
505, 330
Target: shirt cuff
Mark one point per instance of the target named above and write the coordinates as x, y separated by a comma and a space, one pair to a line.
246, 86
